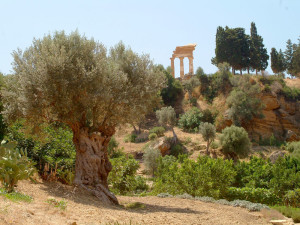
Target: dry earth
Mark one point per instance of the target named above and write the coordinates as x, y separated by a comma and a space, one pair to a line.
82, 208
293, 82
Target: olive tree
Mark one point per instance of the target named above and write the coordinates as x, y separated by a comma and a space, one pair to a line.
208, 132
76, 81
167, 117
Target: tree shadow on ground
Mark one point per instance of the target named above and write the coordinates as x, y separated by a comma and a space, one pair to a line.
71, 193
150, 208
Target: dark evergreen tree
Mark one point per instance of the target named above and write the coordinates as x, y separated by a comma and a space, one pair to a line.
274, 60
258, 53
288, 55
232, 46
278, 64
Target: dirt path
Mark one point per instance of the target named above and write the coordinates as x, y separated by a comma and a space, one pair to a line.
83, 208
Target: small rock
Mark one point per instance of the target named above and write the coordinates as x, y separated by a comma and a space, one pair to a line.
292, 136
278, 222
163, 145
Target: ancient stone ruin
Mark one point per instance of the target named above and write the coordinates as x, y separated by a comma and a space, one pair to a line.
181, 52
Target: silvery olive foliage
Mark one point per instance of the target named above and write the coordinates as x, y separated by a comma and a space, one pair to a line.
75, 80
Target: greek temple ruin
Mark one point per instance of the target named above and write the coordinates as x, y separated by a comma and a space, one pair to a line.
181, 52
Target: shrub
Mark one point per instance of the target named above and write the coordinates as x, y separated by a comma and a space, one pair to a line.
210, 177
130, 138
256, 173
123, 178
258, 195
293, 146
191, 120
235, 141
292, 198
243, 101
177, 149
271, 141
296, 154
150, 157
248, 205
112, 145
208, 132
285, 175
208, 116
113, 150
214, 145
14, 166
193, 101
159, 131
152, 136
190, 84
291, 93
172, 91
54, 151
291, 212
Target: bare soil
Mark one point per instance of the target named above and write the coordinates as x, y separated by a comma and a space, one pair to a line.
82, 208
293, 82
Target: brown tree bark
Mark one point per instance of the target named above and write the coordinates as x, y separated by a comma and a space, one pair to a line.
207, 147
92, 164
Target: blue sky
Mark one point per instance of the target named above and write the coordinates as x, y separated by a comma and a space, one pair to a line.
155, 27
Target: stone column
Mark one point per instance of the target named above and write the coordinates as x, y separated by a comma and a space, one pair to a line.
181, 67
191, 66
172, 67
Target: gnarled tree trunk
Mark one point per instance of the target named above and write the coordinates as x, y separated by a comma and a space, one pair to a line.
92, 164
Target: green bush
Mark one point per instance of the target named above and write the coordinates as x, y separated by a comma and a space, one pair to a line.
235, 141
193, 101
123, 178
172, 91
291, 212
208, 116
258, 195
177, 150
214, 145
271, 141
130, 138
293, 146
159, 131
296, 154
291, 93
256, 173
191, 120
152, 136
243, 101
14, 166
151, 157
53, 152
292, 198
206, 177
285, 175
113, 150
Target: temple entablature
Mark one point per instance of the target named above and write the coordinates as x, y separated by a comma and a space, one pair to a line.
181, 52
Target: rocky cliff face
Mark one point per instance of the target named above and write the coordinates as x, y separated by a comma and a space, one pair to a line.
281, 118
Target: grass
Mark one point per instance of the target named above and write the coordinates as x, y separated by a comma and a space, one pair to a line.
58, 204
134, 205
15, 196
290, 212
